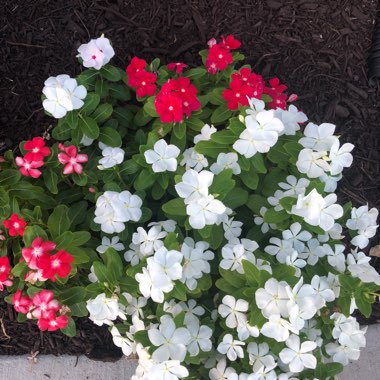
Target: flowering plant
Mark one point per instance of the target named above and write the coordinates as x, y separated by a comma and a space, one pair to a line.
192, 212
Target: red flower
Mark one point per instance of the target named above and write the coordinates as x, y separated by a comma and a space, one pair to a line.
59, 264
135, 66
29, 167
237, 94
5, 269
38, 249
44, 303
230, 42
38, 150
169, 107
21, 304
251, 79
52, 322
15, 225
144, 83
219, 57
177, 66
71, 159
276, 93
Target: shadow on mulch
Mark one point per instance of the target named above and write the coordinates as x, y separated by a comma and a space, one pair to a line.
319, 49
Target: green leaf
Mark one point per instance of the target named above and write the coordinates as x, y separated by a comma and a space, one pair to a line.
236, 197
72, 119
210, 148
89, 127
175, 207
216, 96
150, 108
250, 178
90, 103
59, 221
257, 162
51, 180
119, 92
236, 126
124, 116
253, 273
141, 118
142, 337
33, 232
63, 241
80, 238
111, 73
273, 216
9, 177
293, 148
101, 271
61, 132
102, 88
179, 291
72, 295
255, 202
363, 305
234, 278
88, 77
179, 130
222, 184
216, 237
195, 73
79, 309
145, 179
79, 179
70, 330
102, 113
221, 114
110, 137
225, 136
80, 255
113, 263
77, 213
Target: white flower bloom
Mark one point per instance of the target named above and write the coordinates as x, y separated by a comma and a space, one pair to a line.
275, 200
193, 159
104, 310
323, 292
291, 118
255, 106
127, 345
258, 355
298, 355
232, 228
245, 330
109, 223
280, 248
226, 161
171, 341
336, 257
296, 237
111, 158
221, 372
200, 338
92, 276
194, 185
277, 328
295, 262
260, 135
165, 263
259, 220
319, 138
167, 225
365, 272
313, 164
107, 243
86, 141
340, 157
234, 311
127, 207
163, 158
230, 347
204, 211
205, 134
331, 182
150, 241
294, 187
134, 255
312, 252
192, 311
318, 211
135, 305
342, 353
96, 53
168, 370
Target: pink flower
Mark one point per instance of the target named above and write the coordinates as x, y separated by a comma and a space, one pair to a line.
59, 264
71, 159
52, 323
38, 249
37, 148
177, 66
33, 276
5, 269
28, 167
15, 225
21, 303
44, 303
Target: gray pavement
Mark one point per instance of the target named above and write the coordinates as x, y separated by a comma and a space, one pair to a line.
72, 368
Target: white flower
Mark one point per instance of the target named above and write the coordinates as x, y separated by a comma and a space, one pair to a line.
296, 237
318, 211
192, 311
313, 164
277, 328
92, 276
205, 134
280, 248
298, 355
312, 252
135, 305
331, 182
109, 223
234, 311
193, 159
86, 141
365, 272
226, 161
127, 207
104, 310
200, 338
171, 342
291, 118
168, 370
258, 355
194, 185
260, 135
133, 255
107, 243
221, 372
230, 347
111, 157
165, 263
204, 211
234, 254
259, 220
319, 138
336, 257
96, 53
167, 225
127, 345
295, 262
340, 157
150, 241
232, 228
294, 187
245, 330
342, 353
255, 106
163, 158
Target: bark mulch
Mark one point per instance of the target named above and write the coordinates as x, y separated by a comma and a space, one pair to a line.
318, 48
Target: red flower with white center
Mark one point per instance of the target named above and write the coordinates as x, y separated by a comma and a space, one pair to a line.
59, 264
5, 269
135, 66
144, 83
218, 58
230, 42
21, 304
43, 304
169, 107
29, 167
276, 93
71, 159
237, 94
37, 148
52, 322
15, 225
177, 66
38, 249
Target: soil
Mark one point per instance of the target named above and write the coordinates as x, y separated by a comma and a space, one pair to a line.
319, 49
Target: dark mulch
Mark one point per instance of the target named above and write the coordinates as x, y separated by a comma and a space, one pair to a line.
318, 48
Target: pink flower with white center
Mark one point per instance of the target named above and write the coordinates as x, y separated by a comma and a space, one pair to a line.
44, 303
36, 251
51, 322
21, 303
29, 168
71, 159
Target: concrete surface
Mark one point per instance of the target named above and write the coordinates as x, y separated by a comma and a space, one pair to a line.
72, 368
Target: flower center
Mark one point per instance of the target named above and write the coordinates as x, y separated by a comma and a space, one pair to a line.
171, 108
93, 57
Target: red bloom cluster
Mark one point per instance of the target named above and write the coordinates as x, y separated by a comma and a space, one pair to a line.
176, 98
244, 84
71, 159
141, 80
34, 159
5, 269
39, 257
43, 307
276, 93
219, 55
15, 225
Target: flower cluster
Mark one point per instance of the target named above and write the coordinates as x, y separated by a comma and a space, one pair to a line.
141, 80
